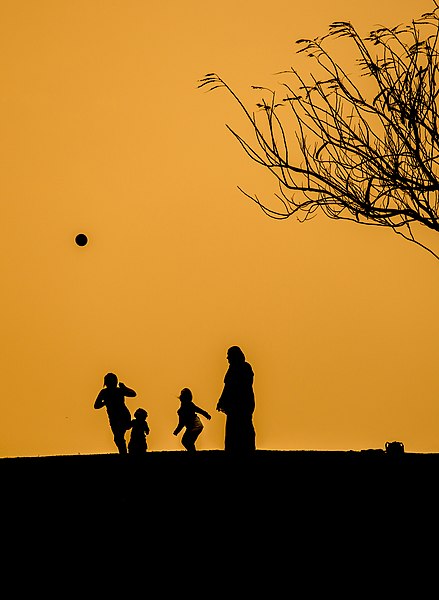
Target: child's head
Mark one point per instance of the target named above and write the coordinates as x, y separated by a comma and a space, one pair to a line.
140, 414
185, 395
110, 380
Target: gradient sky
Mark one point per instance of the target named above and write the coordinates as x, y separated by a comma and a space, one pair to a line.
103, 131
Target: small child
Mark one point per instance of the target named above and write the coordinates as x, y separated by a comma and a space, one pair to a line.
139, 430
189, 419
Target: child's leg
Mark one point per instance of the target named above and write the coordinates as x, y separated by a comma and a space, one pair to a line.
188, 441
119, 440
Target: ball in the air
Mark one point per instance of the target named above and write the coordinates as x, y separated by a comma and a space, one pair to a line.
81, 239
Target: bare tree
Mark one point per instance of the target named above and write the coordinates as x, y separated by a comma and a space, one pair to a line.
366, 156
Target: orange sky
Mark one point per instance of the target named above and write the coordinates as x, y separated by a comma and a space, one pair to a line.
103, 131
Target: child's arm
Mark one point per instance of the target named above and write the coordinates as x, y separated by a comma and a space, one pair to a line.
127, 391
179, 426
100, 400
202, 412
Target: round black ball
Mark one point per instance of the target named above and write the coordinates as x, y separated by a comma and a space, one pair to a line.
81, 239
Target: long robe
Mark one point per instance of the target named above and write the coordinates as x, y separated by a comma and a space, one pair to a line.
237, 401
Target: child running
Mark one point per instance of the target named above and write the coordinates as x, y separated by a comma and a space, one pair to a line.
189, 420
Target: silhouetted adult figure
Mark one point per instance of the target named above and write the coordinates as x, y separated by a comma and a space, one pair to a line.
237, 401
139, 430
189, 420
112, 396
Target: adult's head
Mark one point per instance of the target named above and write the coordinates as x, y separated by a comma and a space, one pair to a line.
235, 355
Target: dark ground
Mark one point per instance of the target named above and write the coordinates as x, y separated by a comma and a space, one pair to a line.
210, 480
278, 514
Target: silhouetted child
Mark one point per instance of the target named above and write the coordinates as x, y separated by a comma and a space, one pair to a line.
112, 396
139, 430
189, 420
